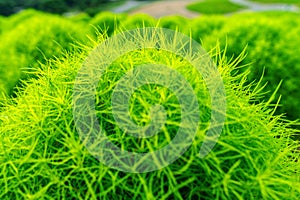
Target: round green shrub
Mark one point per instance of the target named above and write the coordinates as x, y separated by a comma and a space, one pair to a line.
272, 44
32, 42
42, 157
106, 22
82, 18
138, 20
16, 19
205, 25
175, 23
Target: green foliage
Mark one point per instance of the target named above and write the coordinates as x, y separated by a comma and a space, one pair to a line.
203, 26
139, 20
20, 18
272, 39
37, 39
272, 42
175, 23
214, 7
81, 18
2, 24
296, 2
8, 7
41, 156
107, 22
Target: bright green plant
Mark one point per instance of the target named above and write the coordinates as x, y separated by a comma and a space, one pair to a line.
107, 22
272, 39
35, 40
214, 7
138, 20
14, 20
175, 23
2, 24
272, 44
206, 25
41, 156
81, 17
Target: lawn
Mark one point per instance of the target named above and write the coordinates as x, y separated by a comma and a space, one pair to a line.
296, 2
214, 7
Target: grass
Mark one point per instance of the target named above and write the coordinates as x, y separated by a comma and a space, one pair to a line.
214, 7
295, 2
42, 156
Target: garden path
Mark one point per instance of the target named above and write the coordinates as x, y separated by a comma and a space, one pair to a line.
165, 8
178, 7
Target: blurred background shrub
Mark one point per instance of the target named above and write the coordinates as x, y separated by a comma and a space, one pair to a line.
177, 22
139, 20
107, 22
272, 45
36, 39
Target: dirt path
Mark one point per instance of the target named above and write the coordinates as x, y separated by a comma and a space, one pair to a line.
165, 8
178, 7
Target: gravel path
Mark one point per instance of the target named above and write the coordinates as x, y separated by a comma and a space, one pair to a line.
178, 7
165, 8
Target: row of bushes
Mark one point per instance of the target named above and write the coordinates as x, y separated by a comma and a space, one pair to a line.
271, 43
42, 156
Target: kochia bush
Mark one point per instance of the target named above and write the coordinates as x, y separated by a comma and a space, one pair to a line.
32, 42
106, 22
41, 156
272, 44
